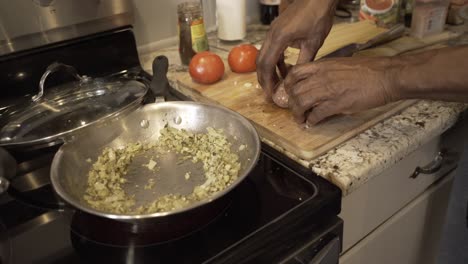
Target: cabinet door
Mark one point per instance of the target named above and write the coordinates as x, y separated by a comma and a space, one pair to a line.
411, 236
387, 193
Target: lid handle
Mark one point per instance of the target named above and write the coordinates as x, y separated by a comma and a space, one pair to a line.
54, 67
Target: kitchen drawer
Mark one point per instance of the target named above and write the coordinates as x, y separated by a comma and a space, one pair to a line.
411, 236
366, 208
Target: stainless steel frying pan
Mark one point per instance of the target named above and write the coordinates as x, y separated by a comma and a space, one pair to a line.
69, 170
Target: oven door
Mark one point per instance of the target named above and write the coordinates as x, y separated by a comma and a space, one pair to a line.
318, 242
323, 250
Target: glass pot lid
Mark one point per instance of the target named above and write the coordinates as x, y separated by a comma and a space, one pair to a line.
57, 112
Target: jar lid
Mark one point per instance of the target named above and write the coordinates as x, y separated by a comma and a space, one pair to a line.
189, 8
51, 115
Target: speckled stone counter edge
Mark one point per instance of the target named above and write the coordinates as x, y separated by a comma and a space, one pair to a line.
356, 161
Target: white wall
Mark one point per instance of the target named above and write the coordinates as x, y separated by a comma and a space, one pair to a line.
156, 20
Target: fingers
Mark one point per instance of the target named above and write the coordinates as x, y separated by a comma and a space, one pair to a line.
268, 57
309, 95
282, 67
321, 112
304, 90
299, 73
299, 106
307, 52
306, 95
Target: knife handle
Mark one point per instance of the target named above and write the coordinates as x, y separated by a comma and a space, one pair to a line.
392, 34
387, 36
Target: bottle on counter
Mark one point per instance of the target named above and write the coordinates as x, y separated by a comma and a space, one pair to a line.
191, 27
428, 17
269, 10
406, 12
231, 19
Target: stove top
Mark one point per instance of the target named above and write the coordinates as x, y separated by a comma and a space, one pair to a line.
280, 213
265, 211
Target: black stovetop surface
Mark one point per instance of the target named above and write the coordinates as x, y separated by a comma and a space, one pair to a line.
271, 213
279, 207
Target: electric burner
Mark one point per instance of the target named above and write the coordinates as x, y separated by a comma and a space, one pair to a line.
112, 233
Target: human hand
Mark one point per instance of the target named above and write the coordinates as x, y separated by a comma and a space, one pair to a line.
459, 2
305, 25
329, 87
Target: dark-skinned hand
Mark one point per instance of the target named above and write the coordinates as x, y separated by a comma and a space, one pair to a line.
321, 89
304, 24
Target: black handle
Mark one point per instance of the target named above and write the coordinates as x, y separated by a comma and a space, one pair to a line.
434, 166
8, 172
382, 38
392, 34
160, 85
7, 169
329, 254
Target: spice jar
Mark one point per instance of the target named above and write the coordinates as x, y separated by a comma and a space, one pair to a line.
192, 35
383, 12
429, 17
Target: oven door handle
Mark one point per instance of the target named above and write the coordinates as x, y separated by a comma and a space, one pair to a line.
329, 254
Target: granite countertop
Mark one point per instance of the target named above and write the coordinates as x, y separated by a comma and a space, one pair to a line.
356, 161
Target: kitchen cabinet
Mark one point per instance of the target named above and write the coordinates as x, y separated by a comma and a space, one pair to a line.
398, 219
411, 235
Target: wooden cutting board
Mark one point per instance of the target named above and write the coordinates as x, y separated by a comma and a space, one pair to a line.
241, 93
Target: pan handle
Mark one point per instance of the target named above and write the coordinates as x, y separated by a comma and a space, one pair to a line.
160, 84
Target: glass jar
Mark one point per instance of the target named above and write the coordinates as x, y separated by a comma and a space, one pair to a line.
192, 34
429, 17
384, 13
269, 10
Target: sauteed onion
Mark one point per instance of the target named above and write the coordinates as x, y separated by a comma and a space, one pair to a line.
106, 178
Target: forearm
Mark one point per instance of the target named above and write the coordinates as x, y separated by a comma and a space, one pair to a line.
438, 74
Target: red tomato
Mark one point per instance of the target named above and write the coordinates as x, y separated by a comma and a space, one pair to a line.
206, 68
242, 58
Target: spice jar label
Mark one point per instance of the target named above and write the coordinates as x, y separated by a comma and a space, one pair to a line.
192, 35
428, 17
199, 39
383, 12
